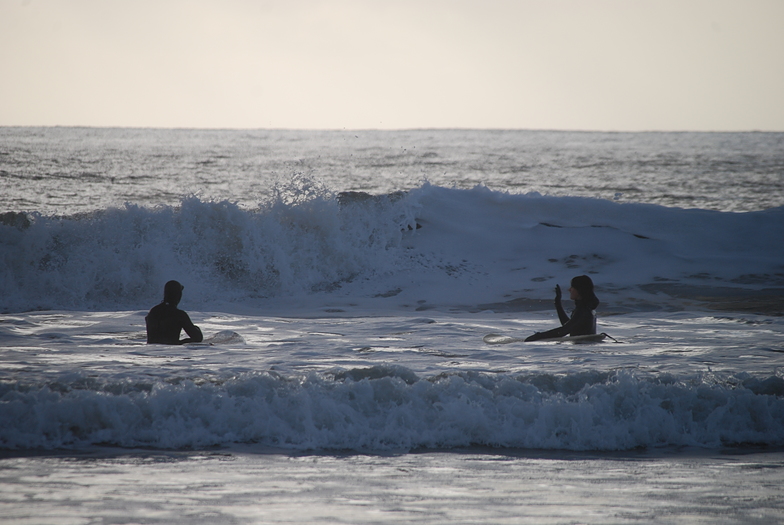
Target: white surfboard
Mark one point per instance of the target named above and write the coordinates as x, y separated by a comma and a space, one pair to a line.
591, 338
224, 337
500, 339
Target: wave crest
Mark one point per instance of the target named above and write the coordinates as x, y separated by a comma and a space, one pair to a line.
389, 408
301, 240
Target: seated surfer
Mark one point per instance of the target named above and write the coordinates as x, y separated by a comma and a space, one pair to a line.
583, 319
165, 321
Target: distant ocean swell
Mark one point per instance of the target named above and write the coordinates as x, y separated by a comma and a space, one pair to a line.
389, 408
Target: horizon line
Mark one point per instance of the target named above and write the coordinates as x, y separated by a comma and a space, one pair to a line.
429, 128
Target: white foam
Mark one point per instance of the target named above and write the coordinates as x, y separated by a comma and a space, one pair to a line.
389, 408
72, 379
474, 247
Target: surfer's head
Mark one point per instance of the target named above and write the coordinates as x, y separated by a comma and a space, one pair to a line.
583, 285
172, 293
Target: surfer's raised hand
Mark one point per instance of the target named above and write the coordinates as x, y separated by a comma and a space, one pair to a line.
557, 292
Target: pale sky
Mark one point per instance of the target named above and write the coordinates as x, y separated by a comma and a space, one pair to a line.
626, 65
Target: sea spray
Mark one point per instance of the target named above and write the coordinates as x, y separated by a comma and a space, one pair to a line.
300, 241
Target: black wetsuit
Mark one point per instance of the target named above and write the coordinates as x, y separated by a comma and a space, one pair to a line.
582, 321
164, 323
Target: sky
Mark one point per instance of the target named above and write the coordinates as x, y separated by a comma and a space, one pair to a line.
616, 65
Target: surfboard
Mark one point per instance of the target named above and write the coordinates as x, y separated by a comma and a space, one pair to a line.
591, 338
223, 337
500, 339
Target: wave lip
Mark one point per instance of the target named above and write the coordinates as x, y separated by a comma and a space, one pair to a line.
389, 408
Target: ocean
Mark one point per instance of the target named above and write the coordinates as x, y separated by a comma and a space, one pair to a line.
345, 281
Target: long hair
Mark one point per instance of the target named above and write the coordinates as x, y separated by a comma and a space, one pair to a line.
584, 285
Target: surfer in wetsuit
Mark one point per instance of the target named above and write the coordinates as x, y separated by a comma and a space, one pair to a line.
583, 319
165, 321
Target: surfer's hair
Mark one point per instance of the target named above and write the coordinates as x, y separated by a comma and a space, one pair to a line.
172, 293
584, 285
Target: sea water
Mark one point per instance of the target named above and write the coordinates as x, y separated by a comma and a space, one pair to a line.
344, 281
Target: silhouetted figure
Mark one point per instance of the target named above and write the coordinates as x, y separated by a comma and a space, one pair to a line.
583, 319
165, 321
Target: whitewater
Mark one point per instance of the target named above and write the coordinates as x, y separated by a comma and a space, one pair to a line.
344, 282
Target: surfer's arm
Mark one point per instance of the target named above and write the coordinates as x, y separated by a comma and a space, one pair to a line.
549, 334
561, 312
577, 325
191, 329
